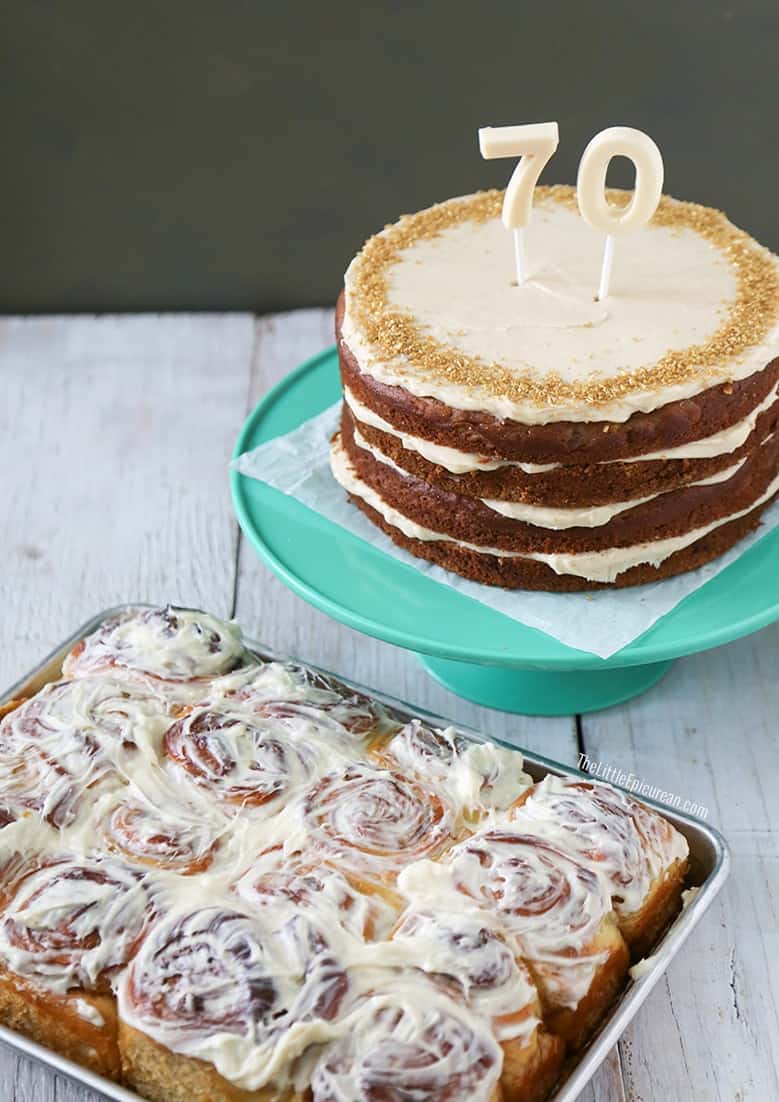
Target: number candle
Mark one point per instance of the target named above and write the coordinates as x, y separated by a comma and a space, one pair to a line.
618, 141
534, 145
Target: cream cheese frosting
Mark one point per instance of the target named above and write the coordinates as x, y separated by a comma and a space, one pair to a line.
459, 462
557, 518
594, 566
674, 290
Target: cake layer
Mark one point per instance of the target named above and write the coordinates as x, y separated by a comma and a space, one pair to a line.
724, 406
555, 517
560, 485
432, 307
565, 572
556, 531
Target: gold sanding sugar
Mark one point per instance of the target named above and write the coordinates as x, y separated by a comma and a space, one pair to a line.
394, 334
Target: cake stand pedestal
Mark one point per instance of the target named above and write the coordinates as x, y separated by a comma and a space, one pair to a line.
471, 649
539, 693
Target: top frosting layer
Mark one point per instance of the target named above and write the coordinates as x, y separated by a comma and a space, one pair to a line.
432, 305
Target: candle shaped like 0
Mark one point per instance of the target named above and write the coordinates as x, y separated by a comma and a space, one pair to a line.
534, 145
595, 209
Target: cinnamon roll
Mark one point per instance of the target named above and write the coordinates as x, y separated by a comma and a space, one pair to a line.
469, 949
72, 924
481, 776
64, 934
240, 760
560, 912
287, 691
171, 837
113, 713
372, 822
643, 858
48, 762
407, 1043
175, 645
246, 993
316, 889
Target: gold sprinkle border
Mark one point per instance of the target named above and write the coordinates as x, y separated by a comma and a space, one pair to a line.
393, 334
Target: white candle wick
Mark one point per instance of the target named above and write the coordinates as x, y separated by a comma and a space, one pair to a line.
519, 254
605, 271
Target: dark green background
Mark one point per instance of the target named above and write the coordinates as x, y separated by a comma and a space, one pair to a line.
194, 155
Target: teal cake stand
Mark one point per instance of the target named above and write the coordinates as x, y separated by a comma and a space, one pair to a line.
474, 651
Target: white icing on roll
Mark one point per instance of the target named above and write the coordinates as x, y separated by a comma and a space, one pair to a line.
245, 761
483, 776
69, 738
459, 462
172, 644
625, 841
411, 1042
554, 905
153, 824
470, 947
375, 821
275, 881
242, 990
73, 923
458, 286
595, 566
89, 1013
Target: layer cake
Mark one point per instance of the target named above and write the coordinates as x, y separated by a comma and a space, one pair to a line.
534, 437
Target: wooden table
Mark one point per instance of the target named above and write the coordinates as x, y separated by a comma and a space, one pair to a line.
115, 436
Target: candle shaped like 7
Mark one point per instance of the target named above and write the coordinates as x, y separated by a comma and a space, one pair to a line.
618, 141
534, 145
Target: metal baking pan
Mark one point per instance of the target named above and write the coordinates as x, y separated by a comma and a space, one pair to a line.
709, 868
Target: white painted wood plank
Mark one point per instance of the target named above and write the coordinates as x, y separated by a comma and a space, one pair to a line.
708, 733
115, 435
608, 1083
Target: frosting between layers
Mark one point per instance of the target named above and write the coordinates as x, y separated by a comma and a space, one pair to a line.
594, 566
557, 518
452, 459
460, 462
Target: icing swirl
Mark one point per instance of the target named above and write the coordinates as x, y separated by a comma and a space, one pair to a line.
73, 923
483, 776
469, 949
408, 1045
627, 842
240, 761
375, 820
228, 986
171, 644
553, 904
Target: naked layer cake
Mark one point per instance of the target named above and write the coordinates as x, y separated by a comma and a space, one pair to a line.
534, 437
